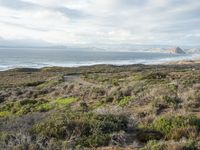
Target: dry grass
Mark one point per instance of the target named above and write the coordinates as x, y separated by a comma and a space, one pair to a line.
142, 93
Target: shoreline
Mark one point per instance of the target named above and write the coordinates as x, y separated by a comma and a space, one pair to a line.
181, 62
32, 59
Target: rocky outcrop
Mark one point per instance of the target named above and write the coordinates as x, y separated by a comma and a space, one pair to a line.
177, 50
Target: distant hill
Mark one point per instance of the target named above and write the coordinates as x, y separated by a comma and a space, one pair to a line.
24, 43
193, 50
177, 50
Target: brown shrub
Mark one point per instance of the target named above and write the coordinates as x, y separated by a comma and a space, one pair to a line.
187, 132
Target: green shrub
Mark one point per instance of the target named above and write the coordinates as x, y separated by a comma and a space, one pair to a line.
44, 107
6, 106
187, 132
148, 135
171, 100
26, 106
27, 102
65, 101
124, 101
54, 144
84, 107
115, 82
154, 76
4, 114
153, 145
89, 130
95, 140
109, 99
151, 77
190, 145
166, 102
46, 84
167, 126
110, 123
24, 110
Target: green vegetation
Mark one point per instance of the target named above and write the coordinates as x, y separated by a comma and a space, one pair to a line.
47, 84
65, 101
90, 130
168, 145
44, 107
153, 145
175, 127
124, 101
4, 114
26, 106
98, 107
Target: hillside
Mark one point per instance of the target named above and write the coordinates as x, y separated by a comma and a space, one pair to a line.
101, 107
177, 50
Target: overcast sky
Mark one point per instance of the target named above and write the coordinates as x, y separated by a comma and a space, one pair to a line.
175, 22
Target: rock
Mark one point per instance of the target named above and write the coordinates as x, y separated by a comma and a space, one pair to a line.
177, 50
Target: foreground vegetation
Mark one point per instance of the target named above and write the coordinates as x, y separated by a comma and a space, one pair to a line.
101, 107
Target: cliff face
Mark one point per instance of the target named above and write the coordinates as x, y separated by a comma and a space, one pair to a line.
177, 50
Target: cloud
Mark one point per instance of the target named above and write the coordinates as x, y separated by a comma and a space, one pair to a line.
102, 21
72, 13
16, 4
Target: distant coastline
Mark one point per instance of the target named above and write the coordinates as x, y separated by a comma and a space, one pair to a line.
39, 58
183, 63
178, 62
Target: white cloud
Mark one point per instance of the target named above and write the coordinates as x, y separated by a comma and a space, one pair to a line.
102, 21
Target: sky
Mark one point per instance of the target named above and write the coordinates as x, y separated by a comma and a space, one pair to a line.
93, 22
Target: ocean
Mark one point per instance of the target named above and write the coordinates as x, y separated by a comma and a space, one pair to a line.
72, 57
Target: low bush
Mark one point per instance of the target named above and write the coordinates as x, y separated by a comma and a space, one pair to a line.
154, 75
44, 107
153, 145
65, 101
26, 106
94, 140
87, 130
4, 113
166, 101
124, 101
186, 132
46, 84
190, 145
176, 127
148, 135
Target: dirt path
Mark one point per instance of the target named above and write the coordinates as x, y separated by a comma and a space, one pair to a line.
76, 79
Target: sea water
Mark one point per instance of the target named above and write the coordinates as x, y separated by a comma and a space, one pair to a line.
73, 57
